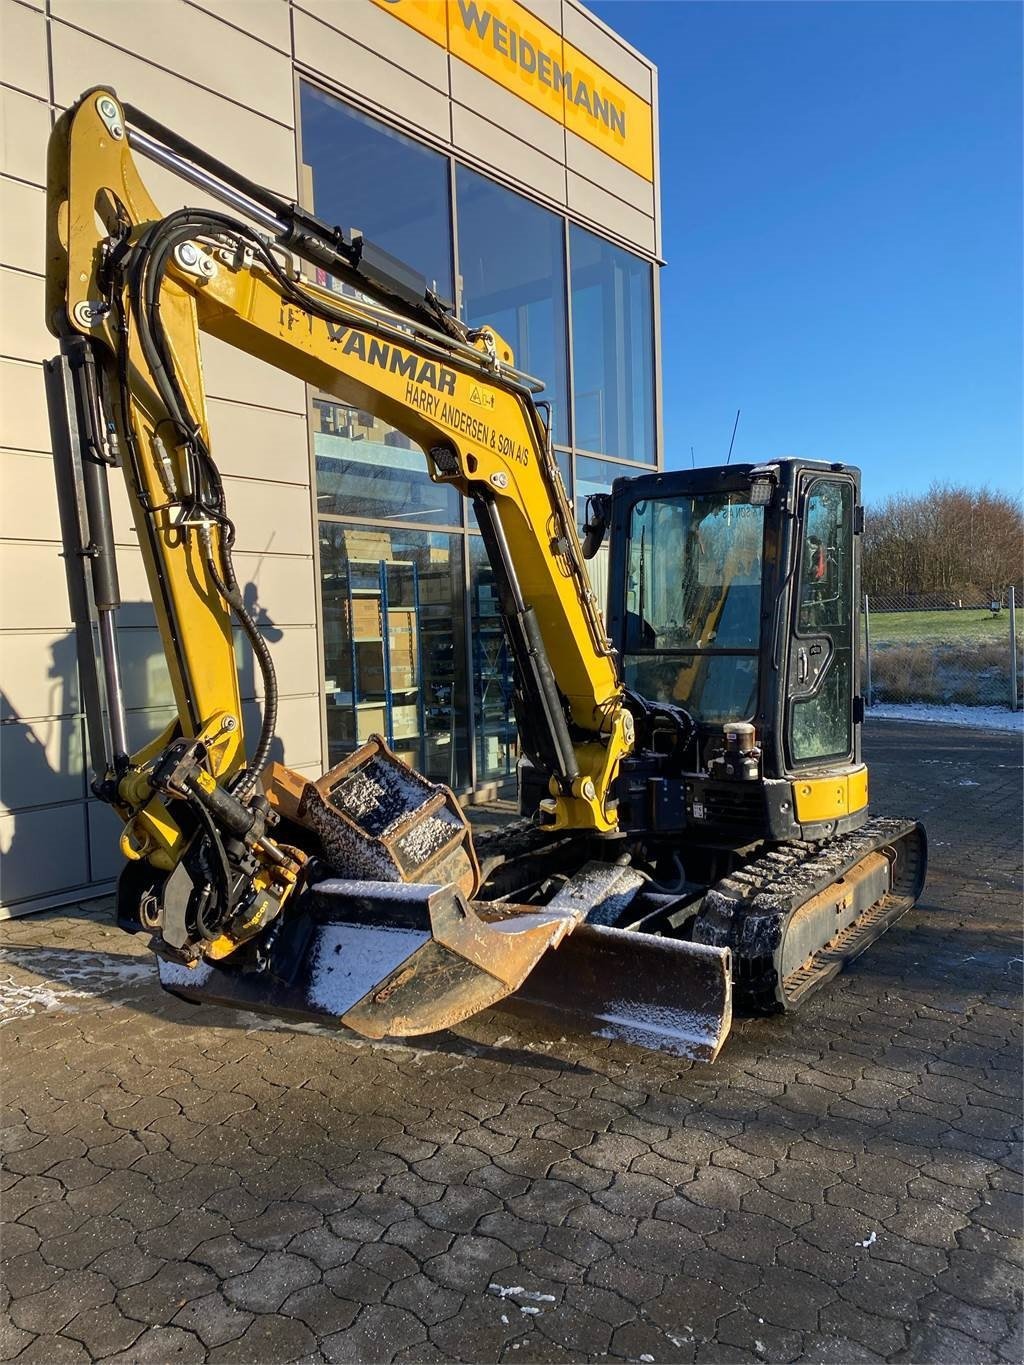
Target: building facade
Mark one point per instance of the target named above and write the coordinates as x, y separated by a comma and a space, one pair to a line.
507, 151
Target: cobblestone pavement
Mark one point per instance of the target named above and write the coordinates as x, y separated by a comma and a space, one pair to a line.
185, 1185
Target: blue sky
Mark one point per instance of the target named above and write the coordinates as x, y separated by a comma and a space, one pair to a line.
841, 198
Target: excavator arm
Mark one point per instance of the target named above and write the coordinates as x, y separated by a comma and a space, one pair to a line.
219, 848
141, 288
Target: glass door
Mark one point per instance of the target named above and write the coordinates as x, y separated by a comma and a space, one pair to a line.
821, 673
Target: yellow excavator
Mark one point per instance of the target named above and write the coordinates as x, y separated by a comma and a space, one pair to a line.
694, 805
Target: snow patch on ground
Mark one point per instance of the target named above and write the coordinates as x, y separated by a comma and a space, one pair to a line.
976, 717
510, 1291
67, 977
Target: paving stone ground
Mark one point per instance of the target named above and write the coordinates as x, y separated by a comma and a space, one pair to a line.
187, 1185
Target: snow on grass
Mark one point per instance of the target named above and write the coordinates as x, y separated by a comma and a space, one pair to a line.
975, 717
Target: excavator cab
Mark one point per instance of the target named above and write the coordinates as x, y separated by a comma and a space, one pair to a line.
732, 595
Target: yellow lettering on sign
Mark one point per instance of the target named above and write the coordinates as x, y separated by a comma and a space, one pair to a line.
505, 42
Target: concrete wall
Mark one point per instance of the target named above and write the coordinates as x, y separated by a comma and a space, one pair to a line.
223, 72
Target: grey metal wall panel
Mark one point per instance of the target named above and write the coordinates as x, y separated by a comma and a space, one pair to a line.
23, 225
230, 373
609, 175
23, 49
23, 332
500, 107
548, 10
260, 443
104, 832
505, 153
41, 763
587, 33
26, 126
610, 214
298, 735
46, 606
381, 33
38, 674
28, 867
28, 498
257, 146
194, 45
383, 84
268, 20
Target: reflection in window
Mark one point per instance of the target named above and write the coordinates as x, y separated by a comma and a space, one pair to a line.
613, 348
822, 723
394, 653
694, 573
826, 583
565, 469
693, 588
497, 743
512, 267
595, 476
714, 688
364, 466
367, 176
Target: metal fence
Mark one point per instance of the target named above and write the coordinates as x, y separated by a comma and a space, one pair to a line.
943, 649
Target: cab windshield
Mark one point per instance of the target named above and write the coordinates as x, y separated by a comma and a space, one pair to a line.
693, 602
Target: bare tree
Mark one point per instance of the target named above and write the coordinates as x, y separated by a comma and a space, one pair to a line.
949, 540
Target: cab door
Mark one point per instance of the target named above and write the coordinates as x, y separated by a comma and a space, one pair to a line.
822, 724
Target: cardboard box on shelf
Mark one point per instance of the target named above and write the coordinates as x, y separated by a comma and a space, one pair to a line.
403, 676
365, 544
402, 637
358, 725
369, 666
362, 617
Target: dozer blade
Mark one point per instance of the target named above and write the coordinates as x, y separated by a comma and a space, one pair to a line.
383, 959
656, 993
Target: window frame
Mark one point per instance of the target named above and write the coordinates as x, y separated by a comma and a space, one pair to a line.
569, 451
810, 479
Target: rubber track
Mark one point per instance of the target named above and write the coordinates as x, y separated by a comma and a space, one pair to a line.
749, 910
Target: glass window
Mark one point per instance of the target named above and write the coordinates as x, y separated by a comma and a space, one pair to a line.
612, 347
822, 722
595, 476
364, 468
512, 269
497, 744
694, 579
693, 603
367, 176
564, 463
394, 648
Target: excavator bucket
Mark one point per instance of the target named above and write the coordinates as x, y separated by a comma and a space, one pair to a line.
402, 960
394, 946
383, 959
387, 942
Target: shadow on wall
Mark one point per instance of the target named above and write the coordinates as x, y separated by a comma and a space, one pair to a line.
53, 835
